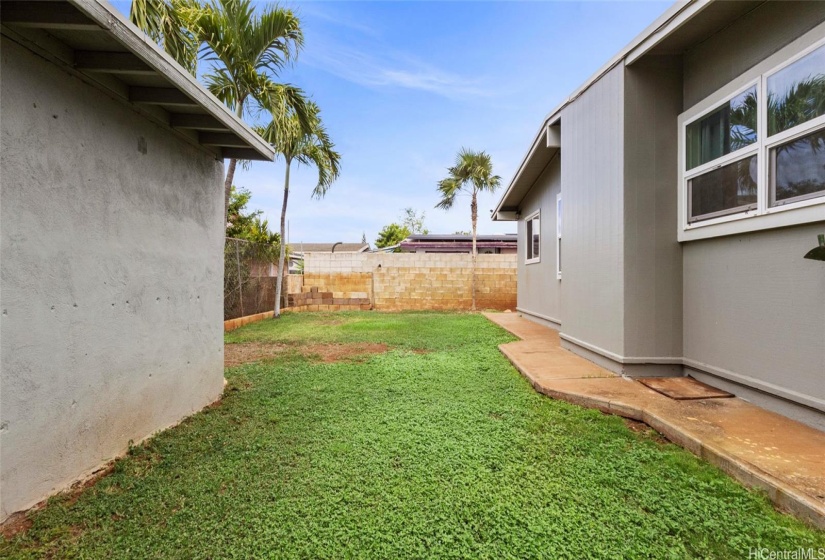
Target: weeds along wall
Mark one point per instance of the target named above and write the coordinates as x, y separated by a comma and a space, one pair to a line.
404, 281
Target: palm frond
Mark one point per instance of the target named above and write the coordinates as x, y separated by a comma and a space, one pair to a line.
221, 85
170, 24
471, 172
250, 48
289, 136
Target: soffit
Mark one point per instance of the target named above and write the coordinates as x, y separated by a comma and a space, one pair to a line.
104, 49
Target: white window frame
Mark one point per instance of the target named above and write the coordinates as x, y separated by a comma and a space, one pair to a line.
763, 216
529, 238
558, 235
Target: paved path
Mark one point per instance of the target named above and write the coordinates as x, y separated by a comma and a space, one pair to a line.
757, 447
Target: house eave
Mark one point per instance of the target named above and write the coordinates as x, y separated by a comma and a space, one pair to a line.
537, 158
683, 24
95, 42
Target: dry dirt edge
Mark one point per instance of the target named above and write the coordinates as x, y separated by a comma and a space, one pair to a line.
246, 352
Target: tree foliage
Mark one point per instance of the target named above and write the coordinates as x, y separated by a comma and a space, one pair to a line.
249, 226
247, 50
169, 24
471, 174
303, 141
392, 234
414, 221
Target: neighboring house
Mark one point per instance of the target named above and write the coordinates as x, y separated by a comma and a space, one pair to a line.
112, 214
691, 190
485, 244
302, 248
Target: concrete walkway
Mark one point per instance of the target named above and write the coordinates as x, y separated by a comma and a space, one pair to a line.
759, 448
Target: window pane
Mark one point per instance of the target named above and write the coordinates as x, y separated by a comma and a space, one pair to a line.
529, 245
799, 167
536, 231
729, 128
558, 216
725, 190
796, 93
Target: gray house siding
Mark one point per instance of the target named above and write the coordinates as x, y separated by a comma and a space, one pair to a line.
749, 40
754, 309
652, 256
592, 171
538, 288
755, 312
111, 278
741, 311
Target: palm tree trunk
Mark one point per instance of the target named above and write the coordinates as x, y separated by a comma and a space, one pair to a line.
474, 211
282, 257
227, 188
230, 174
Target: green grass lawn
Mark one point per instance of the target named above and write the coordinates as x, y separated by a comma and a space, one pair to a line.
436, 448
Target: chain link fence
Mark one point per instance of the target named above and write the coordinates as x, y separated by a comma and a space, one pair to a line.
249, 278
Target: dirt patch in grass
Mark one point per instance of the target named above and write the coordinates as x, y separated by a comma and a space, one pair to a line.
246, 352
17, 523
645, 430
79, 487
20, 522
329, 353
243, 353
331, 322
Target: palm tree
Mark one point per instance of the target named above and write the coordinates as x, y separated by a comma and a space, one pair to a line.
471, 174
249, 50
309, 145
167, 22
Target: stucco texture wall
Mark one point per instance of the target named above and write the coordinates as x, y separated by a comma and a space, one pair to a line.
111, 278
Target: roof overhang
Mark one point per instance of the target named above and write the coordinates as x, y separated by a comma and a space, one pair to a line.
683, 25
545, 146
94, 42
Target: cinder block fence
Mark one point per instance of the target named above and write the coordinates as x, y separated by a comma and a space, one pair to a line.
402, 281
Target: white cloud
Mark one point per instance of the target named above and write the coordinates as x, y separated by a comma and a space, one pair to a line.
336, 17
393, 69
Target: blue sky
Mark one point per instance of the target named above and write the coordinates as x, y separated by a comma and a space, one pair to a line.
403, 85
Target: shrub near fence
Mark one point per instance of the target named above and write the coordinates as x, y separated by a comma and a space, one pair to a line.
402, 281
248, 279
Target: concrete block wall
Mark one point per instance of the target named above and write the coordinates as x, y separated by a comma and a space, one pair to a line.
341, 284
414, 281
293, 283
315, 300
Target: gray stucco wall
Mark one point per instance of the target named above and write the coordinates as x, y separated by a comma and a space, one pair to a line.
538, 287
751, 39
592, 172
111, 278
653, 257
